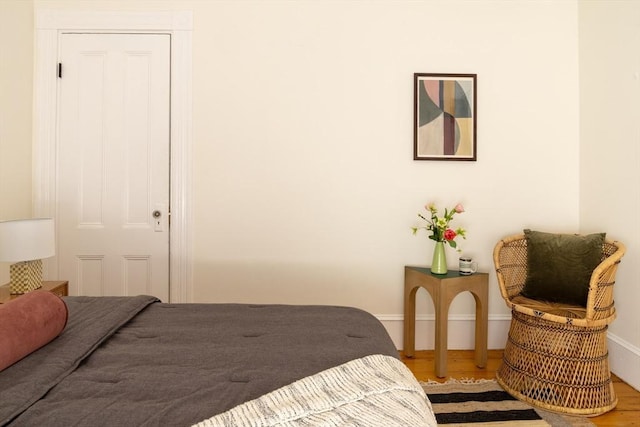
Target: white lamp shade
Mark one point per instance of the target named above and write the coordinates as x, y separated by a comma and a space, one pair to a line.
27, 239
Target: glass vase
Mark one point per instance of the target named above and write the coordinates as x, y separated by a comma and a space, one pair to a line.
439, 262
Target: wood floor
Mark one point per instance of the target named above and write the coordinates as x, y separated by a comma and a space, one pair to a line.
461, 365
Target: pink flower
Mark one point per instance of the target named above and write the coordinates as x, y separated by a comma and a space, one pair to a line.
438, 226
449, 234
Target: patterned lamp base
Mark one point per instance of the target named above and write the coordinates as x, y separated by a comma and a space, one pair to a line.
25, 276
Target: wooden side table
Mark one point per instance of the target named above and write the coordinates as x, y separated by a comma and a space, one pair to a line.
443, 288
58, 287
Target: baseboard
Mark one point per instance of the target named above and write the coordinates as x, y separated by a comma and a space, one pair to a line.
624, 360
461, 330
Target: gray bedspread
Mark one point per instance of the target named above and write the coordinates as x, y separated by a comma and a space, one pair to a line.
135, 362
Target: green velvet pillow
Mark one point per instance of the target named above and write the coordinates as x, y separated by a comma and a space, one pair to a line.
560, 266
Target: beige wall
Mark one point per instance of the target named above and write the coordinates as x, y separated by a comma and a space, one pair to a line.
16, 79
304, 184
305, 187
610, 154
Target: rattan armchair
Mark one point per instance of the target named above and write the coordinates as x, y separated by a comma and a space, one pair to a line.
556, 355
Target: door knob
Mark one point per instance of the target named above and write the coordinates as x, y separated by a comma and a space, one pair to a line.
157, 214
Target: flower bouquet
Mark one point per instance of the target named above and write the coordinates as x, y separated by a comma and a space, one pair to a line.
441, 233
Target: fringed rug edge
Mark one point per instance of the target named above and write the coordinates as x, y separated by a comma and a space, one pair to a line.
458, 381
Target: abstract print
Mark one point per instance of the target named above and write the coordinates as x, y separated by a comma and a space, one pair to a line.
445, 122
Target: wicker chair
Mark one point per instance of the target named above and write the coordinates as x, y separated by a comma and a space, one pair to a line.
556, 355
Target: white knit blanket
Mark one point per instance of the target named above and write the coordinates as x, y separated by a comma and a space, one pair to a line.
374, 391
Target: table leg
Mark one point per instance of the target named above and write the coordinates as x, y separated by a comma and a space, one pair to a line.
482, 320
409, 341
442, 314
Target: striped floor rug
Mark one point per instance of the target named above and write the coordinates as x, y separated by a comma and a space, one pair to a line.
484, 403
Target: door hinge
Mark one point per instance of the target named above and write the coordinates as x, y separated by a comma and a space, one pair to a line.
59, 70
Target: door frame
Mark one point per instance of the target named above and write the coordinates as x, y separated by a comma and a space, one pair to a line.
49, 24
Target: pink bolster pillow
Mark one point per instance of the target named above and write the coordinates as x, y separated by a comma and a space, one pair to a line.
29, 322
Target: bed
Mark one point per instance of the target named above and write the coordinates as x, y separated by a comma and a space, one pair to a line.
135, 361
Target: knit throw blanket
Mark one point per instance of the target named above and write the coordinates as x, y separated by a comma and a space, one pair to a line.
371, 391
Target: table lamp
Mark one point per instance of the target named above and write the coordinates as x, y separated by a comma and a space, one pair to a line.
25, 242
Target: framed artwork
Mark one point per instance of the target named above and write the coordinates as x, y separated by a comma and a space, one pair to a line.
444, 117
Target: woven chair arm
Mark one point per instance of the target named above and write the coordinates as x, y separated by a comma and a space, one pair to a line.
600, 304
510, 260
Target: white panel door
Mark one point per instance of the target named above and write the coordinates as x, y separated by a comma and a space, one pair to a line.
113, 164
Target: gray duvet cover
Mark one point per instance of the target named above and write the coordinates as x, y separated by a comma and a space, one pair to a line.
132, 361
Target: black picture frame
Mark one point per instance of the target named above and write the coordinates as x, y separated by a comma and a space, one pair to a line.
445, 117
